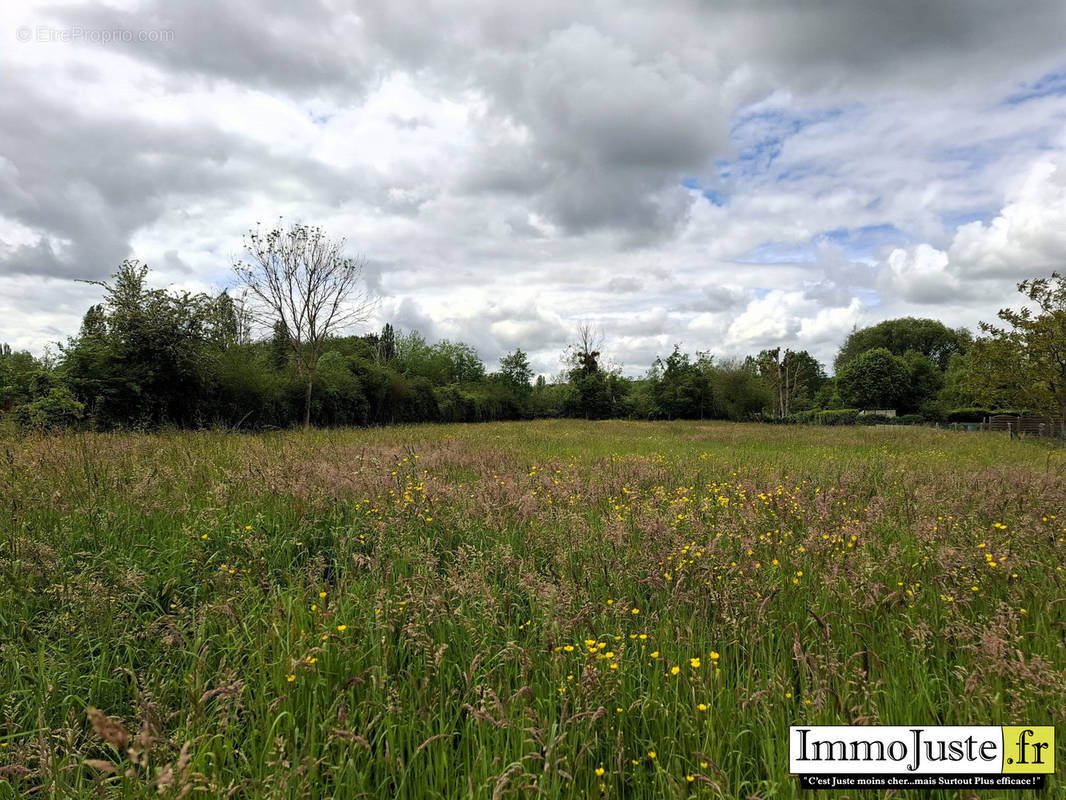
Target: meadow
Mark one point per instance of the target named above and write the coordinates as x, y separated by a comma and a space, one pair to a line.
553, 609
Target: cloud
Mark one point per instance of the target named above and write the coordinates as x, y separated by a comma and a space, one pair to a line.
1026, 238
731, 175
307, 49
921, 275
1029, 234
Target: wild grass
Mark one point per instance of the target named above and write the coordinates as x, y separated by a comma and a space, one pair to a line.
557, 609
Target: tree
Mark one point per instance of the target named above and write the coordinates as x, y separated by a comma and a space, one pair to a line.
593, 389
584, 354
516, 372
385, 347
875, 379
736, 389
930, 337
1023, 365
924, 384
299, 277
789, 376
23, 378
681, 389
143, 355
457, 362
230, 322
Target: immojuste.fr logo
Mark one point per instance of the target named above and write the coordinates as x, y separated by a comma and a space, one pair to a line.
881, 757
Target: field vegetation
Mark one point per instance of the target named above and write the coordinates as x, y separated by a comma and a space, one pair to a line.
555, 608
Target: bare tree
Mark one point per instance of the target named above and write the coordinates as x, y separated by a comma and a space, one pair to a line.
300, 279
584, 354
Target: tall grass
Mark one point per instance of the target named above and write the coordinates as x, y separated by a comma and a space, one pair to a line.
561, 609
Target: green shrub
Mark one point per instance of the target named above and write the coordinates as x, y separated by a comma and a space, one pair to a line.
57, 409
968, 414
839, 416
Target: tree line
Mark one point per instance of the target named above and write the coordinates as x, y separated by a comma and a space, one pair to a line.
146, 357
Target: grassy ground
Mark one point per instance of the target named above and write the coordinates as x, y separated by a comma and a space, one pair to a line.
554, 608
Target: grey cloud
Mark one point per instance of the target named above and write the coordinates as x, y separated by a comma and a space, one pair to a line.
305, 47
624, 285
580, 124
93, 181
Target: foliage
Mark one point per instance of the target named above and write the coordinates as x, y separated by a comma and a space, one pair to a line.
792, 378
23, 379
738, 392
1024, 363
516, 373
56, 409
924, 382
968, 414
930, 337
442, 363
147, 357
875, 379
837, 416
144, 355
304, 289
682, 389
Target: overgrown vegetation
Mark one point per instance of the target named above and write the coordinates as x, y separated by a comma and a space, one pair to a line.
566, 609
146, 358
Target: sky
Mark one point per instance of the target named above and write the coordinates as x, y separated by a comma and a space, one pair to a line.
725, 176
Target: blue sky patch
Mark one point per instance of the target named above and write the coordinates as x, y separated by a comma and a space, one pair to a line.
1051, 84
713, 196
953, 221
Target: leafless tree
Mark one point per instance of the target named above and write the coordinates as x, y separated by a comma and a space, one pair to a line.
300, 278
584, 354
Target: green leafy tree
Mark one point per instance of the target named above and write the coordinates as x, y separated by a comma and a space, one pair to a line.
456, 362
682, 389
23, 379
143, 355
56, 409
956, 391
1022, 364
737, 390
792, 378
516, 373
875, 379
930, 337
385, 350
923, 384
442, 363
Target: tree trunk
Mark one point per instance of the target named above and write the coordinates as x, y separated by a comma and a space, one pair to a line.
307, 401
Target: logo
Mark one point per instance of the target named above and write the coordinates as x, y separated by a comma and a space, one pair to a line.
927, 757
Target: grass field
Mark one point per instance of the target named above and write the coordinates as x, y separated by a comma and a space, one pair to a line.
556, 609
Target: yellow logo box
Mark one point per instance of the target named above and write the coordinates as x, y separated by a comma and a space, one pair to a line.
1028, 749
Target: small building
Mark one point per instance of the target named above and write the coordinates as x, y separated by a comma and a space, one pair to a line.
880, 412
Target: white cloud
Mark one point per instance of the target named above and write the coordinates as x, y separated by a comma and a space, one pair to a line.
1029, 234
1025, 239
920, 275
510, 170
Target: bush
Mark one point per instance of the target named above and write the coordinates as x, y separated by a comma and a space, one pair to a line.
837, 416
840, 416
57, 409
968, 414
